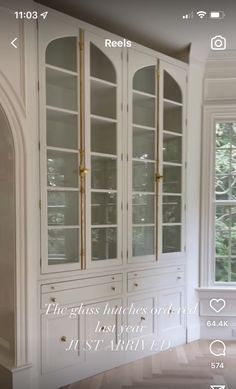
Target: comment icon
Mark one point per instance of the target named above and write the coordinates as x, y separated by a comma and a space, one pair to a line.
217, 348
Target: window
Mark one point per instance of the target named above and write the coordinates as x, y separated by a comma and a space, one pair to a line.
225, 201
218, 201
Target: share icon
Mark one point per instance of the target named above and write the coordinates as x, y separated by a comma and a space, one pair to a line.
218, 387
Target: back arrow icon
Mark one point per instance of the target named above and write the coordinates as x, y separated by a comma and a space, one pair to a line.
13, 43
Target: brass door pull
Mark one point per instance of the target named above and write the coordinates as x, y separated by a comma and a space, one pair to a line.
83, 170
159, 177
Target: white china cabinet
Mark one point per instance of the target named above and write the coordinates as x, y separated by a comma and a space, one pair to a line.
112, 173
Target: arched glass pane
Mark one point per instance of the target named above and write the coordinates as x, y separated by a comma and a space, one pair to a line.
62, 53
101, 66
7, 239
144, 80
172, 90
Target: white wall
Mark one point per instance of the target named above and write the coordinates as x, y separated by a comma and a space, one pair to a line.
195, 88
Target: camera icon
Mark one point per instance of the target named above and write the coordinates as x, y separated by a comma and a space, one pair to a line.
218, 42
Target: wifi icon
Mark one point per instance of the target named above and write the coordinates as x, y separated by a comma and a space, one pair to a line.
201, 14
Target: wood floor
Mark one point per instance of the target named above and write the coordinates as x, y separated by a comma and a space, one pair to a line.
185, 367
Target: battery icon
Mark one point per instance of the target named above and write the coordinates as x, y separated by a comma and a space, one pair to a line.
217, 14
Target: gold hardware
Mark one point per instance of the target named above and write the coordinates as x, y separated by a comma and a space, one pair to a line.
53, 299
63, 339
83, 170
159, 177
142, 318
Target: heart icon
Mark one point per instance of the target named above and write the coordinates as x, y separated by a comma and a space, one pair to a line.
217, 304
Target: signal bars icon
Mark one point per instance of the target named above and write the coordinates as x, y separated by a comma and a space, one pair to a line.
188, 16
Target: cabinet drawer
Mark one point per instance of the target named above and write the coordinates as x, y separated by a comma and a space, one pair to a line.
82, 294
156, 271
155, 281
57, 286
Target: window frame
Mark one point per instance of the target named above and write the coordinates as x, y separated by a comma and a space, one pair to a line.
211, 115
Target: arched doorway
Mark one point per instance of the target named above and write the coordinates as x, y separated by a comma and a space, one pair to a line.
7, 241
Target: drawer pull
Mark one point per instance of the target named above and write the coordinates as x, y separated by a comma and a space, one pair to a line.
63, 339
53, 299
113, 288
102, 328
135, 284
179, 278
142, 318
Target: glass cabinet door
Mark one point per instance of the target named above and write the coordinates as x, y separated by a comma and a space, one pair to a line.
60, 157
103, 157
142, 157
172, 129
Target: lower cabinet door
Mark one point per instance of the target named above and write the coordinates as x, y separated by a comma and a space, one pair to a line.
141, 318
61, 341
172, 321
103, 326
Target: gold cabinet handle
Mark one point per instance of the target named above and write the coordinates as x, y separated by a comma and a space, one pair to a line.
53, 299
159, 177
83, 170
63, 339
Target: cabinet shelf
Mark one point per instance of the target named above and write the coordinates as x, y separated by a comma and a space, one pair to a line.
105, 155
63, 227
172, 133
172, 102
145, 94
99, 118
59, 69
61, 110
62, 188
172, 163
63, 149
103, 191
102, 82
143, 127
